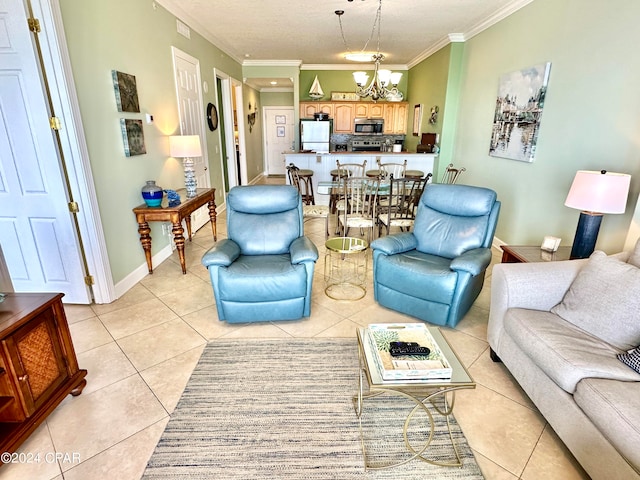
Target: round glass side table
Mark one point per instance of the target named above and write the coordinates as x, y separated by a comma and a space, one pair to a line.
345, 268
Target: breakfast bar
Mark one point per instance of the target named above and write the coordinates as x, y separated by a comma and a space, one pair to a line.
322, 163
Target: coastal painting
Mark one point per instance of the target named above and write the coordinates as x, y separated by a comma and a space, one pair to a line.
519, 106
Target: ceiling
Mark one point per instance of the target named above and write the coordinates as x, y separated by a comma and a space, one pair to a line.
308, 31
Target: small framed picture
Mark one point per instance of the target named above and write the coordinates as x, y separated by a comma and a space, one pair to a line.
132, 137
417, 119
124, 86
281, 119
280, 131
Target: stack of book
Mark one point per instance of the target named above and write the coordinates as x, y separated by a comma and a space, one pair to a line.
378, 339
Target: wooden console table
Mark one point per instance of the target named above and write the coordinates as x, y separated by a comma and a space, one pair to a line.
38, 365
175, 215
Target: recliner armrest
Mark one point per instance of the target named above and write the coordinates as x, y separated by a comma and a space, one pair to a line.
473, 261
222, 254
397, 243
302, 249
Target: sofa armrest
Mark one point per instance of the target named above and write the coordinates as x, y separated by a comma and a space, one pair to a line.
473, 261
302, 249
222, 254
394, 244
536, 286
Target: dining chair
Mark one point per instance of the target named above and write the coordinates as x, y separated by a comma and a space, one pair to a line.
308, 210
388, 169
360, 197
344, 170
401, 203
451, 174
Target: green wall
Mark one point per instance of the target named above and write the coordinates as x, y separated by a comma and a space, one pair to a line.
338, 81
590, 118
135, 38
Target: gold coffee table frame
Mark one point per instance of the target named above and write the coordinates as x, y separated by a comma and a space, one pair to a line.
418, 391
345, 268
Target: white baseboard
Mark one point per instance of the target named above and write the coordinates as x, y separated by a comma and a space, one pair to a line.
142, 271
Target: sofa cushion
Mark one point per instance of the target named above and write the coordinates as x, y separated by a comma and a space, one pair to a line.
634, 258
604, 300
631, 359
563, 351
614, 407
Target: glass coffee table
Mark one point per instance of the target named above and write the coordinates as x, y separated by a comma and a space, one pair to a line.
345, 268
437, 394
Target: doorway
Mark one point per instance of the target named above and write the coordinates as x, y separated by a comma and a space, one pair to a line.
278, 137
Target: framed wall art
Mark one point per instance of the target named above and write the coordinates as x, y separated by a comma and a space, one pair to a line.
519, 105
124, 86
280, 131
132, 137
417, 119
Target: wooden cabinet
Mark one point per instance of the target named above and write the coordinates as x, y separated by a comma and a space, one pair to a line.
38, 365
343, 114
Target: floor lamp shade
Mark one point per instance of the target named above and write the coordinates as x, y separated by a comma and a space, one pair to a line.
186, 147
595, 193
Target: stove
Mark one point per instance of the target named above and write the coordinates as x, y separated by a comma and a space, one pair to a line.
366, 146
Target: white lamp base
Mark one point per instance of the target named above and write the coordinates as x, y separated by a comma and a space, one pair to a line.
189, 177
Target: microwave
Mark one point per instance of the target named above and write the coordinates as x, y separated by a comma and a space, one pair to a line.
368, 126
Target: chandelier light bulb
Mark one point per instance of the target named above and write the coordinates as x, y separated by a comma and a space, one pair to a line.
360, 78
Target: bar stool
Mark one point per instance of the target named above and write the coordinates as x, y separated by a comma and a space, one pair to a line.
306, 186
344, 170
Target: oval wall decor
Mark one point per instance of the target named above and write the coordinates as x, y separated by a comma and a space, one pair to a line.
212, 116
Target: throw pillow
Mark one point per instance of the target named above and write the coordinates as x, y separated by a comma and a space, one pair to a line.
634, 259
604, 301
631, 359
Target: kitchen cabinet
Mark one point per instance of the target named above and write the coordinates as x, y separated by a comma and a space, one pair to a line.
38, 365
343, 114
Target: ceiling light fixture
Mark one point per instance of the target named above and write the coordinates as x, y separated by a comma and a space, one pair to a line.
384, 83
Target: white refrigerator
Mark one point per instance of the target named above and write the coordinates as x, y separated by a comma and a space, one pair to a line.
315, 135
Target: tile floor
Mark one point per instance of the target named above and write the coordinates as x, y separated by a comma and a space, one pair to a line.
140, 351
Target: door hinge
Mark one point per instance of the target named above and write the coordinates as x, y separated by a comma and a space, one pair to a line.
73, 207
54, 123
89, 280
34, 25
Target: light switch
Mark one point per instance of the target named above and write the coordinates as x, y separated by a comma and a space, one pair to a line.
149, 118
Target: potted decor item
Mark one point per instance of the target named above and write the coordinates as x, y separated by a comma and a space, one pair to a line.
152, 194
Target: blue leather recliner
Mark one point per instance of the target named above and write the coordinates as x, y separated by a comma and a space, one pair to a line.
436, 272
263, 270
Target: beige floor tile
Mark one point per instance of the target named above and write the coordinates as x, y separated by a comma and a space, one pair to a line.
345, 329
257, 330
551, 459
168, 277
39, 452
135, 295
495, 376
168, 379
136, 318
320, 320
89, 424
88, 334
77, 313
497, 427
468, 348
189, 300
105, 366
157, 344
492, 471
125, 460
206, 323
474, 322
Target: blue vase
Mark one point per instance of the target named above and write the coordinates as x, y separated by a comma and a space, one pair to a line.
152, 194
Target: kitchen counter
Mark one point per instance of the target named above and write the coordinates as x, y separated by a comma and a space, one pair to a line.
322, 163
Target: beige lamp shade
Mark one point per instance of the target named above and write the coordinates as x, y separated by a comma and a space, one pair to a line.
599, 192
181, 146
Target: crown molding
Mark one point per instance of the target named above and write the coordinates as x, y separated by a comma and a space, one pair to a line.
272, 63
496, 17
443, 42
350, 66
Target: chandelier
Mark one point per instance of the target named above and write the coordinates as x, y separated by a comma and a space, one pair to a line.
384, 83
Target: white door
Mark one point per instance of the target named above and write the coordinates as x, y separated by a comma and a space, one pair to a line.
279, 137
37, 232
187, 76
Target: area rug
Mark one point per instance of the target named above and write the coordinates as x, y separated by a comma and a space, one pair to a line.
283, 409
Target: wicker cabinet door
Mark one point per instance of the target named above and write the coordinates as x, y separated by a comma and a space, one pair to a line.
37, 359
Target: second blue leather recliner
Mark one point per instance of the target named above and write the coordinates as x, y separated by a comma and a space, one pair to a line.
436, 272
264, 269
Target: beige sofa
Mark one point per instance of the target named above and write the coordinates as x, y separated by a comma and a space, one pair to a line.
558, 331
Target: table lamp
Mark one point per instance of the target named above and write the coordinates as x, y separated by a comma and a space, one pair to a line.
595, 193
186, 147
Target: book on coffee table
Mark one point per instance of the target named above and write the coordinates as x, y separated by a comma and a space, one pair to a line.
406, 367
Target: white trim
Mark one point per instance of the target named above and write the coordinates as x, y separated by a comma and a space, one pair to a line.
351, 66
130, 281
271, 63
74, 147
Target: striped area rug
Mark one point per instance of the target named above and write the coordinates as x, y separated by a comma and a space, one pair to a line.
282, 409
